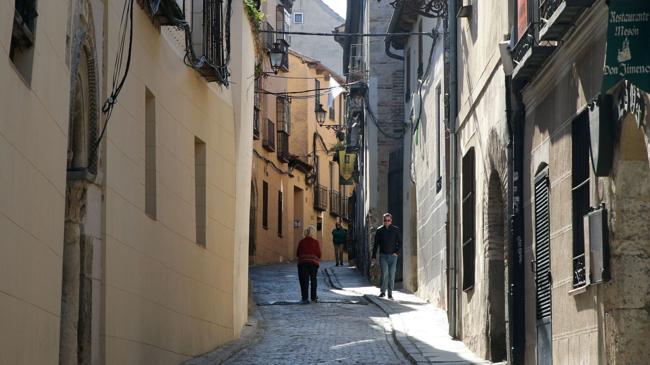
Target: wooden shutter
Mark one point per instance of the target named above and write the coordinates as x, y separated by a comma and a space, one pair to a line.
542, 245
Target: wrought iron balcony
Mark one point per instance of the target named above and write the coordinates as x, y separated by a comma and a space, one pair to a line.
320, 197
266, 37
335, 203
283, 147
268, 141
579, 271
529, 55
164, 12
558, 16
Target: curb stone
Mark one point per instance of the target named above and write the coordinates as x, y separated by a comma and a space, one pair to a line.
251, 333
398, 337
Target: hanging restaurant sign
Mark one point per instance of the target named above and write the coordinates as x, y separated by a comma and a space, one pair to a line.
347, 163
628, 55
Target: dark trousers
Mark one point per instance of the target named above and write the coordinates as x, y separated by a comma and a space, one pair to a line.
307, 273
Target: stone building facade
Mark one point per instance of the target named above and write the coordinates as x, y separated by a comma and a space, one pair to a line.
132, 248
587, 299
426, 179
316, 16
296, 182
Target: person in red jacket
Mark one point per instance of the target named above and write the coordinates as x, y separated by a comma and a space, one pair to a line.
308, 255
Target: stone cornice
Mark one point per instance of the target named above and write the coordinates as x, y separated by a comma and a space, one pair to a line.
591, 26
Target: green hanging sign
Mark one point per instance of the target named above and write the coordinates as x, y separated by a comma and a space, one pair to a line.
347, 164
628, 44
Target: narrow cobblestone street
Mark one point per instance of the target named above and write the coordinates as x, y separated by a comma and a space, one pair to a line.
343, 328
349, 324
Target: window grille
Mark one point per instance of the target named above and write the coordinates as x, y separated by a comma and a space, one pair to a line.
283, 114
580, 195
268, 141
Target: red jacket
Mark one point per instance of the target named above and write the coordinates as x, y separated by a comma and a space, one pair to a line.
308, 251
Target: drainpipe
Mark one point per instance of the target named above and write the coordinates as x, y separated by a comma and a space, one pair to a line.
453, 115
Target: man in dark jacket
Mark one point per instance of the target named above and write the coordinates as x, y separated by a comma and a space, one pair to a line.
388, 240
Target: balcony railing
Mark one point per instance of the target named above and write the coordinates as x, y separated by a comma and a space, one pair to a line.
335, 203
267, 38
283, 147
268, 141
320, 198
558, 16
579, 271
529, 55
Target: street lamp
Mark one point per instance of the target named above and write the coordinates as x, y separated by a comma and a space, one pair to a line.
276, 53
321, 114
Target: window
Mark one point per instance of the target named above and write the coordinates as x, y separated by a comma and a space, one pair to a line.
283, 114
468, 206
268, 141
580, 195
439, 102
200, 189
21, 51
280, 204
265, 205
317, 89
332, 112
420, 50
150, 154
407, 79
282, 23
298, 18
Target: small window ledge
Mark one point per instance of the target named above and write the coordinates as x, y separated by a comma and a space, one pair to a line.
579, 290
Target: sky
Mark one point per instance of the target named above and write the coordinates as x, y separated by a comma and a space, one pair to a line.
339, 6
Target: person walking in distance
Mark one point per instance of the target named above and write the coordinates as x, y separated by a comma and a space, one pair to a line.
308, 254
388, 241
339, 238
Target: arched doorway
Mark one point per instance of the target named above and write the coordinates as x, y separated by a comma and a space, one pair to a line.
496, 270
83, 202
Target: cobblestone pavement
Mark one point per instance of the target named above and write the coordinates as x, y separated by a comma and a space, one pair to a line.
341, 329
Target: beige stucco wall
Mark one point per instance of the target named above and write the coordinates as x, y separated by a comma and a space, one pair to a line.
167, 297
269, 246
33, 143
482, 126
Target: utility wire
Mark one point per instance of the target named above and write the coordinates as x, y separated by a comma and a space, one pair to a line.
118, 81
349, 34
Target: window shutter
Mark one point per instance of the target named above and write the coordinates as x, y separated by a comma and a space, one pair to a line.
542, 245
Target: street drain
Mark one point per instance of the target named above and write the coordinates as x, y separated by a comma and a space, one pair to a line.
326, 301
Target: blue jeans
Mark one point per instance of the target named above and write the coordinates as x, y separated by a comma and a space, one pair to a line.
388, 264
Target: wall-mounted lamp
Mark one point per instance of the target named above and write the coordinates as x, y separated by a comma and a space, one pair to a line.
276, 53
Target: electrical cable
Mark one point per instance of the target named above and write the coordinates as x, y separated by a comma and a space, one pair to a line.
118, 82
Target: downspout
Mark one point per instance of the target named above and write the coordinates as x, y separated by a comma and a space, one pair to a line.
453, 115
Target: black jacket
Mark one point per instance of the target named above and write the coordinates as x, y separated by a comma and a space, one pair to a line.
387, 240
